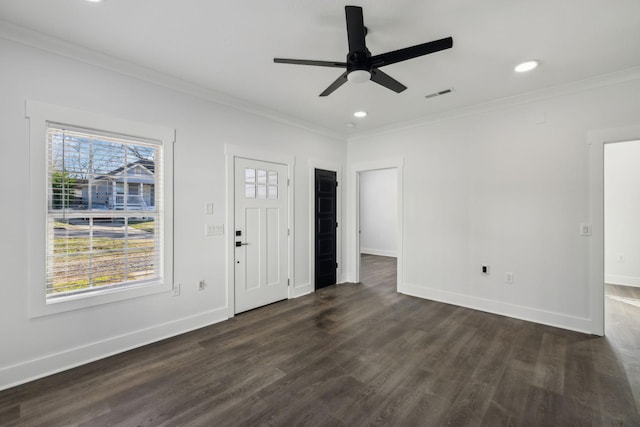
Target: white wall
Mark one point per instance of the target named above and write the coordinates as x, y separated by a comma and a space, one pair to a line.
622, 213
506, 186
379, 212
32, 347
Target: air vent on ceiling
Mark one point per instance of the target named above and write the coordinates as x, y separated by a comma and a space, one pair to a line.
439, 93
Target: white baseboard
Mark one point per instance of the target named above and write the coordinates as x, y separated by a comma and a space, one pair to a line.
558, 320
50, 364
380, 252
615, 279
301, 290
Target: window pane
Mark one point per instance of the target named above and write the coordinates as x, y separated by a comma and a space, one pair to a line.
250, 191
273, 178
97, 235
272, 192
101, 252
142, 261
107, 158
262, 191
262, 176
250, 175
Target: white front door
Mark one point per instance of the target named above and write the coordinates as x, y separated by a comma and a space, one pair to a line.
261, 221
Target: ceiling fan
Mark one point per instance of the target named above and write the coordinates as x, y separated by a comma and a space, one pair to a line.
361, 66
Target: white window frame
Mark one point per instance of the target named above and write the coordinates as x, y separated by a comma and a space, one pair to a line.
39, 115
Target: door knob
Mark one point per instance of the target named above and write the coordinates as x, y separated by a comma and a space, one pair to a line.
238, 244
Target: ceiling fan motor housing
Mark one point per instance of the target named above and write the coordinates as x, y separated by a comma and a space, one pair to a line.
358, 61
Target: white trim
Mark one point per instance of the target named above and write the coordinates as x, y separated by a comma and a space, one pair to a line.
337, 168
379, 252
596, 140
550, 318
301, 290
28, 37
34, 369
353, 212
622, 280
25, 36
39, 114
231, 153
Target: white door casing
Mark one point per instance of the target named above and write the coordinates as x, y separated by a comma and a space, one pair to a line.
261, 219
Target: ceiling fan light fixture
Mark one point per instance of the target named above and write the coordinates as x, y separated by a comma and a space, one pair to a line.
359, 76
526, 66
361, 65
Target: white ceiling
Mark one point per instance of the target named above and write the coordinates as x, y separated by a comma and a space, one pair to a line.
229, 46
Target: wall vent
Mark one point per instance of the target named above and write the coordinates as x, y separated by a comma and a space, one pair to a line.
439, 93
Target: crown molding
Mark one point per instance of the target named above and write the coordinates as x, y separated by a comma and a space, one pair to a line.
591, 83
35, 39
22, 35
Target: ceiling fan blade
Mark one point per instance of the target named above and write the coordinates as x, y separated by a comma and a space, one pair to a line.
335, 85
387, 81
411, 52
355, 29
310, 62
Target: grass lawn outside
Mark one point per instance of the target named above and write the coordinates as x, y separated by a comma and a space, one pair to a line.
82, 260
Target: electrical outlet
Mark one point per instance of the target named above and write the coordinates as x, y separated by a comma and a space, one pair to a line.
201, 285
485, 269
620, 258
585, 229
508, 277
176, 289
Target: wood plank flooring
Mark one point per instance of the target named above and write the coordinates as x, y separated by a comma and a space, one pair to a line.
351, 355
622, 306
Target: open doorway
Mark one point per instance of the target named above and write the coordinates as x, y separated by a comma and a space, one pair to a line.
378, 227
622, 241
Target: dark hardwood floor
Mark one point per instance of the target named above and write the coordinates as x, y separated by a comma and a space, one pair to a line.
350, 355
622, 307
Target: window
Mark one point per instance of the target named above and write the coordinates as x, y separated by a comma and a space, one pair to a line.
101, 209
261, 184
99, 242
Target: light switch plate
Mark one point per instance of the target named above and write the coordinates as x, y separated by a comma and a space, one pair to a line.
214, 229
209, 208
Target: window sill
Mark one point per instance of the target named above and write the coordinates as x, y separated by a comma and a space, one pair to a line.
91, 299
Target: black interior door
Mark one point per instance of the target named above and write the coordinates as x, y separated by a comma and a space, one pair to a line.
325, 235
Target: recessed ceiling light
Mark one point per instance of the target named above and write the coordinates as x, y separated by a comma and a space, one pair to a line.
350, 125
360, 114
526, 66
